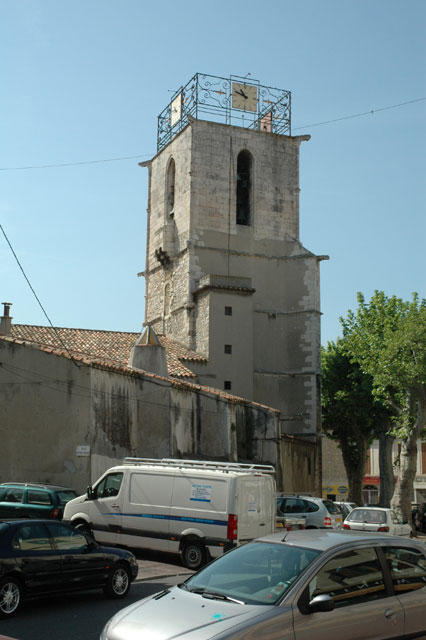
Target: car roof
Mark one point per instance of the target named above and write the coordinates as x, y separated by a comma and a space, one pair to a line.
37, 485
299, 495
374, 508
17, 521
323, 539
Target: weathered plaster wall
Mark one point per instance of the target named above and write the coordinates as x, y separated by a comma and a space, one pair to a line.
301, 466
49, 407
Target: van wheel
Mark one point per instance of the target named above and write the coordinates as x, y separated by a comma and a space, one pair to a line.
193, 555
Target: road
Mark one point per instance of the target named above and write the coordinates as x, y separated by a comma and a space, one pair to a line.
83, 616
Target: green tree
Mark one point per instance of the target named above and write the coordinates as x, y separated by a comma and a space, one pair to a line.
387, 338
350, 412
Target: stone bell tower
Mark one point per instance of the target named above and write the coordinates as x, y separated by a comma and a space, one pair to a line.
226, 274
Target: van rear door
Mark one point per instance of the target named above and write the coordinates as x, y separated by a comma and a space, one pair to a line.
255, 499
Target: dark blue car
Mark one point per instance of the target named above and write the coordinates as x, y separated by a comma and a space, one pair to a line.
38, 557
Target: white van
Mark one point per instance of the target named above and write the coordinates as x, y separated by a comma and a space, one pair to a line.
197, 508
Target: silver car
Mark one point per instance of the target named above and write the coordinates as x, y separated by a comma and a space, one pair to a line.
297, 586
377, 519
318, 513
346, 507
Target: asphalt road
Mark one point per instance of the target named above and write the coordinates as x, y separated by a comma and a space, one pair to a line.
77, 616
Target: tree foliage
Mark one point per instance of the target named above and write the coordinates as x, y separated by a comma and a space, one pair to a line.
350, 412
387, 339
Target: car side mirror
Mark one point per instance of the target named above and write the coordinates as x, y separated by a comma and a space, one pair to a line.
324, 602
90, 493
91, 544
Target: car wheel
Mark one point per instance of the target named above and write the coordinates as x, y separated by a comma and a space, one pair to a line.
84, 527
193, 555
10, 596
118, 582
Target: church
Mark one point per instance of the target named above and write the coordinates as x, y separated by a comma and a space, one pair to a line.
226, 274
231, 341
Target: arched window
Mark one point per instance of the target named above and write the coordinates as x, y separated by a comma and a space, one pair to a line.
170, 196
244, 170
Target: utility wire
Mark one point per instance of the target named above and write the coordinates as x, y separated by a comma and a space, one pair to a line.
37, 298
358, 115
316, 124
88, 392
73, 164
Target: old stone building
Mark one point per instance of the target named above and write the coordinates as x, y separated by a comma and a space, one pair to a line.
228, 364
226, 273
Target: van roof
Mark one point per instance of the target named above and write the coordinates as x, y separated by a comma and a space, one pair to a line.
203, 466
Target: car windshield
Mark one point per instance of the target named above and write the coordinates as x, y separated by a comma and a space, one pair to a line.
370, 516
66, 495
256, 573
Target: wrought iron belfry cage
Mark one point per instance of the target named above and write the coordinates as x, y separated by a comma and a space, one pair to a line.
213, 98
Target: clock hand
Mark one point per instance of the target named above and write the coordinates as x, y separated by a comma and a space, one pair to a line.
241, 93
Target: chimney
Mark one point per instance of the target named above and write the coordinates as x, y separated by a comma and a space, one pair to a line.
148, 354
5, 320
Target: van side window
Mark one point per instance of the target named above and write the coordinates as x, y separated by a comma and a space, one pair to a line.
109, 486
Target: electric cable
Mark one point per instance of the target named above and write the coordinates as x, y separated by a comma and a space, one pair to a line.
36, 296
315, 124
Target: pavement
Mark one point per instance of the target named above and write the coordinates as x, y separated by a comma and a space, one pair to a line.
154, 565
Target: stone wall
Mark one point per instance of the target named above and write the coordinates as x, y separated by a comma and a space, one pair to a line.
51, 408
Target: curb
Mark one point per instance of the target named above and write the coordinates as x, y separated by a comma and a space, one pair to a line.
159, 577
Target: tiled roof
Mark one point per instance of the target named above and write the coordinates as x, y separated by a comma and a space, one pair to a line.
108, 346
129, 371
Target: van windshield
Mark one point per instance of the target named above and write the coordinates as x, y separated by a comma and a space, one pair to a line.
258, 573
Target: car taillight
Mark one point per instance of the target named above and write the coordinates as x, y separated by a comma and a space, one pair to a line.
383, 529
232, 532
346, 526
327, 521
55, 513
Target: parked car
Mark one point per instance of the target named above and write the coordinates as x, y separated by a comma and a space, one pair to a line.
418, 515
197, 508
296, 586
318, 512
346, 507
33, 500
377, 519
38, 557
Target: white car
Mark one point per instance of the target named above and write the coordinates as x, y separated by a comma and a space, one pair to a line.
376, 519
346, 507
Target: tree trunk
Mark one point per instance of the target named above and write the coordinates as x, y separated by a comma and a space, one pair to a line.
354, 470
406, 472
387, 479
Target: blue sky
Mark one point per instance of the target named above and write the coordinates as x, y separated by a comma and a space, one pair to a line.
85, 80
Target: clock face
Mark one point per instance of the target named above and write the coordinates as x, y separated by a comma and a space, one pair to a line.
244, 96
176, 110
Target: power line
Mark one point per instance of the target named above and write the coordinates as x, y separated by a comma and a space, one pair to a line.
73, 164
88, 392
358, 115
315, 124
37, 298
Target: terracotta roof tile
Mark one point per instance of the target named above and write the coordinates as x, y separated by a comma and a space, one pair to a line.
106, 346
129, 371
